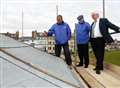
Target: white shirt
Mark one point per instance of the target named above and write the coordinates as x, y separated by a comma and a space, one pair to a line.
96, 30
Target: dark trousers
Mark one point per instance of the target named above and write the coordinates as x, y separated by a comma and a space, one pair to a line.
98, 46
66, 52
83, 54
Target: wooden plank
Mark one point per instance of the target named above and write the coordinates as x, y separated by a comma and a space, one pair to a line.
109, 81
113, 68
112, 73
79, 77
89, 79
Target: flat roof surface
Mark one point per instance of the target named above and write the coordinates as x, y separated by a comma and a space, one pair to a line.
11, 74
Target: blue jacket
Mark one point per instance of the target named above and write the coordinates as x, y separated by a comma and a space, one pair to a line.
61, 31
82, 32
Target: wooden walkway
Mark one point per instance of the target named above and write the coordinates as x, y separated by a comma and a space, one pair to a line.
107, 78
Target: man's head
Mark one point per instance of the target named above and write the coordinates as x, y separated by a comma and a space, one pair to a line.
59, 19
80, 18
95, 16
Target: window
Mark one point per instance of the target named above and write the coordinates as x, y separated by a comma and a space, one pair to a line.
49, 48
53, 48
49, 42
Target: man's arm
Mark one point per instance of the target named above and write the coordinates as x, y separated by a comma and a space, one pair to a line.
113, 27
68, 32
88, 27
50, 32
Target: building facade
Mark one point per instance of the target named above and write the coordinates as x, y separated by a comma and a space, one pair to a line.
50, 48
114, 46
12, 35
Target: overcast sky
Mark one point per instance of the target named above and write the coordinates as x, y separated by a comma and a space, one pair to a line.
41, 14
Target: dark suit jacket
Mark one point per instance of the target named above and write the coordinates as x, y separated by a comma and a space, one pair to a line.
104, 25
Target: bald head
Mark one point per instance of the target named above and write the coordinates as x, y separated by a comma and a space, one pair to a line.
95, 16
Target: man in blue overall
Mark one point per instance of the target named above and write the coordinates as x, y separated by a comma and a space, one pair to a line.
82, 35
62, 33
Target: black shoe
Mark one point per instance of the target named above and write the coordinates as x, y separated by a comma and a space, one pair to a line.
79, 65
86, 66
95, 69
99, 69
98, 72
70, 66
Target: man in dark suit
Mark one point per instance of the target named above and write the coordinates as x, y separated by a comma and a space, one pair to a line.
100, 35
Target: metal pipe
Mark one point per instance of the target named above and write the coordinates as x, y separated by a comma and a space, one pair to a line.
103, 8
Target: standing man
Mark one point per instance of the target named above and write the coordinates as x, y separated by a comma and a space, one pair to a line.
99, 36
62, 33
82, 35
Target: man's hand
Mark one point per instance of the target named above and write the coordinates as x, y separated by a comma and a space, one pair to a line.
45, 33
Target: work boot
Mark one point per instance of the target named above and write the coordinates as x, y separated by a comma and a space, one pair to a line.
79, 65
70, 66
86, 66
98, 72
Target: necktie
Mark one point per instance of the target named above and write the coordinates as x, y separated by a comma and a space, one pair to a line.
93, 30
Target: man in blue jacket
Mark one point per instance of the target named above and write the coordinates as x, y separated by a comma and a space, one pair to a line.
82, 35
62, 33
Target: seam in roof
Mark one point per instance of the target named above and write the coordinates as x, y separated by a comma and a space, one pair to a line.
30, 72
41, 70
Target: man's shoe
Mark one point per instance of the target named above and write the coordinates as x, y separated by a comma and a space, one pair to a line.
79, 65
86, 66
98, 72
70, 66
95, 69
99, 69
